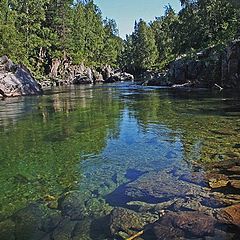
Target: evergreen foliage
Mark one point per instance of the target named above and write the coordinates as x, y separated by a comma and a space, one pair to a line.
35, 32
200, 24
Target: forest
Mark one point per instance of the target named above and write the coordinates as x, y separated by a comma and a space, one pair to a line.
35, 32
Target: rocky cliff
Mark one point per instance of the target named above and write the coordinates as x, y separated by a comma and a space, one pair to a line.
64, 72
204, 69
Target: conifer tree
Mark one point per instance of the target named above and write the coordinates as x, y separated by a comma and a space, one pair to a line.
145, 50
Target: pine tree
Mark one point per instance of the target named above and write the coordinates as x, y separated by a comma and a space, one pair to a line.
10, 39
145, 50
164, 29
112, 44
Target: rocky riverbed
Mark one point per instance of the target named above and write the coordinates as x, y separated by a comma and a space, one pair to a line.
167, 204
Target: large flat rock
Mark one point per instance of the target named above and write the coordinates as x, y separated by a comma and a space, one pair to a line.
159, 186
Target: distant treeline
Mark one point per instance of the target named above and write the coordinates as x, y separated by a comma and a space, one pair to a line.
35, 32
200, 24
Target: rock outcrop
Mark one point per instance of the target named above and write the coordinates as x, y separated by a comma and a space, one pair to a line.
230, 65
16, 80
208, 68
65, 73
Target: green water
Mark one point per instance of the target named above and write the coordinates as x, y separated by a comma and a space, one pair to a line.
96, 138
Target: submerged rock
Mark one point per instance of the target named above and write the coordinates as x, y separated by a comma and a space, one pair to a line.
128, 221
234, 169
16, 80
64, 230
89, 228
167, 232
230, 215
76, 205
72, 204
156, 186
35, 221
175, 225
7, 229
217, 180
235, 184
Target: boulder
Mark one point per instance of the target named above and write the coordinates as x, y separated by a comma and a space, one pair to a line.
83, 76
35, 221
217, 180
64, 230
157, 186
16, 80
82, 79
128, 222
119, 77
72, 204
174, 225
235, 184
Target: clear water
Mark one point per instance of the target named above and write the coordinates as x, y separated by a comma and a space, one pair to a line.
96, 138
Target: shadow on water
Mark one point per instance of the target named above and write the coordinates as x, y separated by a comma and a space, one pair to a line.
117, 197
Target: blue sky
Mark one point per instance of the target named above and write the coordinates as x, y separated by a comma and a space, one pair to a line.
125, 12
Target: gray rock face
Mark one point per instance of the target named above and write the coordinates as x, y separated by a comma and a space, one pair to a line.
208, 68
16, 80
197, 72
230, 66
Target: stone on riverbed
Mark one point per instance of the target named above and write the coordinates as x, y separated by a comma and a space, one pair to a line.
77, 205
64, 230
128, 221
230, 215
7, 229
174, 225
234, 169
158, 186
235, 184
217, 180
72, 204
35, 221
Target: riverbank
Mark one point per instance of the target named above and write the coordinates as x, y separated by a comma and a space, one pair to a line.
211, 68
17, 80
215, 67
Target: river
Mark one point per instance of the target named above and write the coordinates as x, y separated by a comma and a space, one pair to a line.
97, 139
